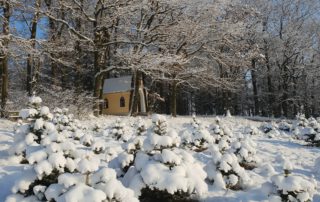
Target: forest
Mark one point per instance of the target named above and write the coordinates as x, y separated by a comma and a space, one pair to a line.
251, 57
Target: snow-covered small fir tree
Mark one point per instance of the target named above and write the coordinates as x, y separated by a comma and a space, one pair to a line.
97, 128
245, 150
58, 170
225, 171
124, 160
35, 128
284, 126
301, 120
98, 147
197, 137
163, 172
120, 131
270, 129
293, 188
65, 121
222, 136
307, 129
87, 140
251, 130
141, 127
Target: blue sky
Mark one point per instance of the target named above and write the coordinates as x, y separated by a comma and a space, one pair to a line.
20, 22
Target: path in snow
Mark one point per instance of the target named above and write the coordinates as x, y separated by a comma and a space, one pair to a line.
9, 169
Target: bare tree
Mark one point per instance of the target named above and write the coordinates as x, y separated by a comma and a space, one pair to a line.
6, 7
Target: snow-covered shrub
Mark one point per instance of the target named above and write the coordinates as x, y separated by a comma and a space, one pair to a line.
310, 133
225, 171
161, 171
77, 134
124, 160
35, 128
197, 137
267, 127
251, 130
120, 131
215, 128
87, 140
245, 150
111, 152
301, 120
314, 124
270, 129
97, 128
284, 126
160, 126
141, 127
47, 162
293, 188
91, 183
65, 121
134, 144
159, 137
52, 157
307, 129
130, 148
58, 170
313, 138
98, 147
222, 135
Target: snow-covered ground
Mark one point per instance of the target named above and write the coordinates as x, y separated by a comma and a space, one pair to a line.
271, 153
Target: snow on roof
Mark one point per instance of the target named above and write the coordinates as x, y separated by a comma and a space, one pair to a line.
114, 85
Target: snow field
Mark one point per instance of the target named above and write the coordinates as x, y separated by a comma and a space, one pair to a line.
52, 156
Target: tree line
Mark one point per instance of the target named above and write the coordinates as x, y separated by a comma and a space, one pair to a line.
250, 57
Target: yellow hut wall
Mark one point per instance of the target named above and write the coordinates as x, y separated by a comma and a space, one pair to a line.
114, 103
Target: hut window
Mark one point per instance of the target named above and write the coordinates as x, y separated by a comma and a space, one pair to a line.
106, 103
122, 102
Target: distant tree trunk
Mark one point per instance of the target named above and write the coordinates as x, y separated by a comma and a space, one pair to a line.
4, 66
97, 79
136, 97
52, 37
78, 54
30, 61
270, 88
173, 99
255, 89
267, 61
96, 93
285, 96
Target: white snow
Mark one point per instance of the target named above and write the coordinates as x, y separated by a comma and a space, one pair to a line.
43, 168
82, 193
25, 113
159, 159
89, 163
35, 100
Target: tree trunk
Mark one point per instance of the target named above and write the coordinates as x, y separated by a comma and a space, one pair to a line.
174, 99
78, 55
30, 61
97, 95
284, 102
136, 97
97, 80
269, 83
255, 89
5, 76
